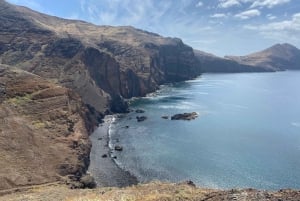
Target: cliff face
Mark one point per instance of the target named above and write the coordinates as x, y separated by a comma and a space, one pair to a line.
214, 64
277, 57
57, 79
98, 62
43, 130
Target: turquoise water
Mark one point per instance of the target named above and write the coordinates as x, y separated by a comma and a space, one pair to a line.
247, 133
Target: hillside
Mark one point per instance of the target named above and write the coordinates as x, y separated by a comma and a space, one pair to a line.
214, 64
60, 77
277, 57
44, 131
98, 62
155, 191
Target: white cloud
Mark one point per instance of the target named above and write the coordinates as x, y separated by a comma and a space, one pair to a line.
287, 30
268, 3
248, 14
218, 15
253, 3
228, 3
199, 4
292, 25
271, 17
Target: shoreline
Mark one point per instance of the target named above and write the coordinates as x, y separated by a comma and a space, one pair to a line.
104, 169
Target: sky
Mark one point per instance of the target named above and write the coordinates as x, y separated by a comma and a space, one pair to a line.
221, 27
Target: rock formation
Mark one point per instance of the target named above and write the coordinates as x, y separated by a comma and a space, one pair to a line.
99, 62
215, 64
185, 116
278, 57
43, 131
59, 77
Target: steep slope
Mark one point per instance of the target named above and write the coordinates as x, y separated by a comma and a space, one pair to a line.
277, 57
43, 130
99, 62
212, 63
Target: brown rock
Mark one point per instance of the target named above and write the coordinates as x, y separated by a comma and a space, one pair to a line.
185, 116
44, 134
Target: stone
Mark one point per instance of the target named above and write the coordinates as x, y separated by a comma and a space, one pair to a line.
88, 181
140, 111
185, 116
141, 118
165, 117
118, 148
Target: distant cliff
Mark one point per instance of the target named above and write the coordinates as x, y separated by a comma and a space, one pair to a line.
277, 57
213, 64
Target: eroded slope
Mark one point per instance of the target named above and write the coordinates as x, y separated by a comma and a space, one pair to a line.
43, 131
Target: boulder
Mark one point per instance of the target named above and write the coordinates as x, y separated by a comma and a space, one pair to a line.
141, 118
140, 111
88, 181
118, 148
185, 116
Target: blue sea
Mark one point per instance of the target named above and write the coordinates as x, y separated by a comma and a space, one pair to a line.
247, 133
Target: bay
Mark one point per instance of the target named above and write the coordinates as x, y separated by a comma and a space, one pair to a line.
247, 133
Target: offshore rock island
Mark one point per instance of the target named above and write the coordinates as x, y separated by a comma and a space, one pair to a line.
59, 78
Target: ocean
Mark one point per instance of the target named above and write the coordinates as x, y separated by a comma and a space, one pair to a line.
247, 134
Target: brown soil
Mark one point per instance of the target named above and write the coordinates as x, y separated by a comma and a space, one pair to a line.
43, 137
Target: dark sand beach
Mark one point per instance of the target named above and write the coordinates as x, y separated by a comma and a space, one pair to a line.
105, 171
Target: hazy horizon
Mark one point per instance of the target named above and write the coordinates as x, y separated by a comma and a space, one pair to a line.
221, 27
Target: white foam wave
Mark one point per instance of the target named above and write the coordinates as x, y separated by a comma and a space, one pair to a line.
180, 107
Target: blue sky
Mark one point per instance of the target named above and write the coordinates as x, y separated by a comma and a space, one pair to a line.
222, 27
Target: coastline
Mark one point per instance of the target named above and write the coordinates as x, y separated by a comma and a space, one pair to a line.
104, 169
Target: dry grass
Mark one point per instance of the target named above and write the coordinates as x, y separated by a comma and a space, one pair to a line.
146, 192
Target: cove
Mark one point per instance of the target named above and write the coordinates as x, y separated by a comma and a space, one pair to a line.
247, 133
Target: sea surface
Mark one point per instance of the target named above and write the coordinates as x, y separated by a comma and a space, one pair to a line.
247, 133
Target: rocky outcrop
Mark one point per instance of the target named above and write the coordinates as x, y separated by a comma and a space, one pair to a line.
185, 116
66, 76
213, 64
98, 62
141, 118
44, 131
277, 57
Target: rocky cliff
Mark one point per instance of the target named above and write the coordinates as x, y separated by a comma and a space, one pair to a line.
59, 77
278, 57
43, 131
215, 64
98, 62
